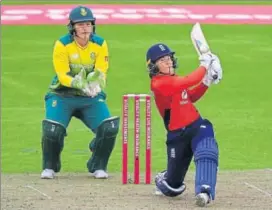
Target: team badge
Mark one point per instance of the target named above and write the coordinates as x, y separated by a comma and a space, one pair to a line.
83, 12
54, 103
184, 95
92, 56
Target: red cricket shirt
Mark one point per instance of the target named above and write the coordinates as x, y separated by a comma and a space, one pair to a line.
175, 95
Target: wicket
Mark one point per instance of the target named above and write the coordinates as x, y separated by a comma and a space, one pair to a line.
138, 98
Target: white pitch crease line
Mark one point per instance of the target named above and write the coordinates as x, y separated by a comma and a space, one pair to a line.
258, 189
33, 188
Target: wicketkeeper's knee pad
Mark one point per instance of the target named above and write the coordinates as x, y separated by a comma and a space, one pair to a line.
206, 161
52, 144
103, 144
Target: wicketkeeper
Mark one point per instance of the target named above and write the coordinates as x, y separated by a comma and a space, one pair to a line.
80, 60
188, 134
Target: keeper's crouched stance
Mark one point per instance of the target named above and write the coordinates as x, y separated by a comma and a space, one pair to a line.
101, 147
80, 61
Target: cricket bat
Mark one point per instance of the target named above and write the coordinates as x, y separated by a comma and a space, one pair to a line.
199, 42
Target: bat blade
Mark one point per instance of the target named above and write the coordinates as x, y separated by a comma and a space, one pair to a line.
199, 41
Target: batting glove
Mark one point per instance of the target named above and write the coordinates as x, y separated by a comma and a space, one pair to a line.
207, 59
214, 70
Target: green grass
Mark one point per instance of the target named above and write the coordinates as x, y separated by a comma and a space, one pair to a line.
170, 2
239, 107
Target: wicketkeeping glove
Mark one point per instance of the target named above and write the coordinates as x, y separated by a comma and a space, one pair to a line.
80, 82
97, 76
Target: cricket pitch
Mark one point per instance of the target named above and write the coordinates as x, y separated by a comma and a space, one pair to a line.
235, 190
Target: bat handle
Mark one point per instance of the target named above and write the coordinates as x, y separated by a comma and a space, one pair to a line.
214, 76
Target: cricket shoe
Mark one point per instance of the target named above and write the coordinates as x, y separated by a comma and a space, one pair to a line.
202, 199
100, 174
160, 175
158, 192
48, 174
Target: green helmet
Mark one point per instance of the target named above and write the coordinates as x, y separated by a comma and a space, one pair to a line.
78, 15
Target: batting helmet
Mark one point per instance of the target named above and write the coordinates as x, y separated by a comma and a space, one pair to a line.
154, 53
